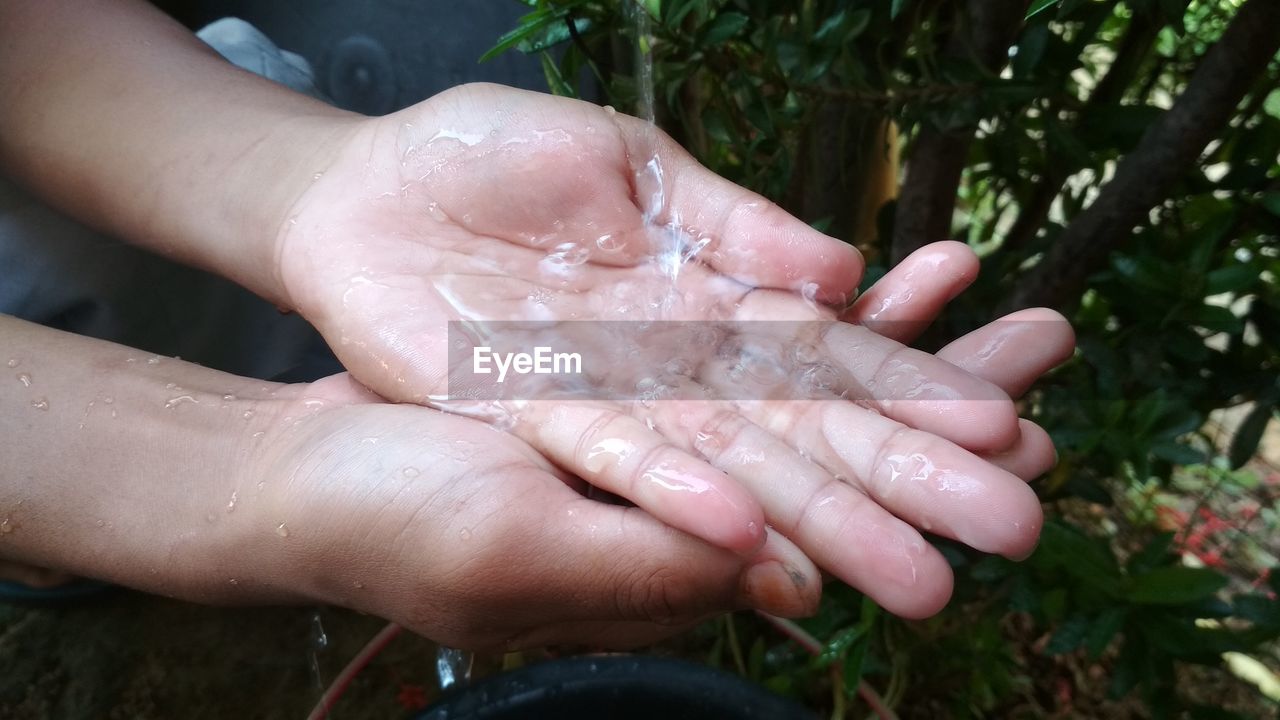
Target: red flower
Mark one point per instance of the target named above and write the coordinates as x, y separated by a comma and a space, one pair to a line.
1212, 558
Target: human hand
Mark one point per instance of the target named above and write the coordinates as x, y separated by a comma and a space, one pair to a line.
492, 204
465, 534
185, 481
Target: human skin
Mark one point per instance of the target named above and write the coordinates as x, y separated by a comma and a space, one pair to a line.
294, 199
172, 478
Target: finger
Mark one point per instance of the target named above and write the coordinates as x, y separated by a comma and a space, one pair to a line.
903, 302
1031, 456
618, 453
908, 385
919, 477
1014, 351
840, 528
748, 237
781, 576
610, 563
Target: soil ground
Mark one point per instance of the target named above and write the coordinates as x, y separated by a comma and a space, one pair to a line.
127, 655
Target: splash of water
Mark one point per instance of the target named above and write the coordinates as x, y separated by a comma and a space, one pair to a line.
453, 666
670, 245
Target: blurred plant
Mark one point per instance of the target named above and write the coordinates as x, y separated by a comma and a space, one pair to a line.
1114, 160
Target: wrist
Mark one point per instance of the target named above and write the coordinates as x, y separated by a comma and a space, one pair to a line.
262, 191
127, 467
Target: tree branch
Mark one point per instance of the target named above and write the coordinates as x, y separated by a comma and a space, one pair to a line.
1139, 37
985, 31
1167, 150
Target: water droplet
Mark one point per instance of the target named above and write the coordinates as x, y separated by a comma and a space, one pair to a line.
282, 531
231, 503
153, 360
246, 414
610, 242
107, 399
101, 523
13, 362
465, 533
433, 209
317, 176
228, 397
181, 399
25, 379
6, 527
609, 110
818, 379
357, 585
40, 404
233, 581
564, 256
809, 291
410, 472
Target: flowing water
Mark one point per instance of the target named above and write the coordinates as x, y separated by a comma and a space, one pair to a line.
669, 245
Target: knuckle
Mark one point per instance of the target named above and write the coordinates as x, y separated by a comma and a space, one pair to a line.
720, 433
654, 595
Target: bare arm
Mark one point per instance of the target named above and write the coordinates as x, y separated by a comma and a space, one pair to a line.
120, 464
120, 117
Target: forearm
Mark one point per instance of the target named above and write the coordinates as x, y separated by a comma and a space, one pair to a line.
124, 466
121, 117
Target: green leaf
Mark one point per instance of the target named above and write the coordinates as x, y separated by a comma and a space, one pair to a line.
896, 8
837, 646
555, 81
1078, 554
1177, 453
1103, 629
1232, 278
1215, 318
528, 26
1039, 6
1153, 555
1271, 200
1069, 635
854, 663
725, 26
1175, 585
1244, 444
653, 7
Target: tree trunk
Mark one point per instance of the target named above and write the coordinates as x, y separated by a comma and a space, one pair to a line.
984, 32
1168, 149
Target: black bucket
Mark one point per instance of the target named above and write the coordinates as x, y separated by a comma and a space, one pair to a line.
614, 687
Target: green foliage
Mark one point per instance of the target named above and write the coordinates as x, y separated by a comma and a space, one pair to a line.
1183, 319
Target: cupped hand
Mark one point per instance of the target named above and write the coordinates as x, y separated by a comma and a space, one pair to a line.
487, 203
463, 533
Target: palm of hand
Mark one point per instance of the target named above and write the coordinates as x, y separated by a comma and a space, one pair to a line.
467, 209
495, 205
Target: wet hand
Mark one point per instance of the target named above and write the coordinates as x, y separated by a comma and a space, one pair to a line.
492, 204
465, 534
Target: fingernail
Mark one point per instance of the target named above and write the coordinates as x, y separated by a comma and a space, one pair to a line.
774, 588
